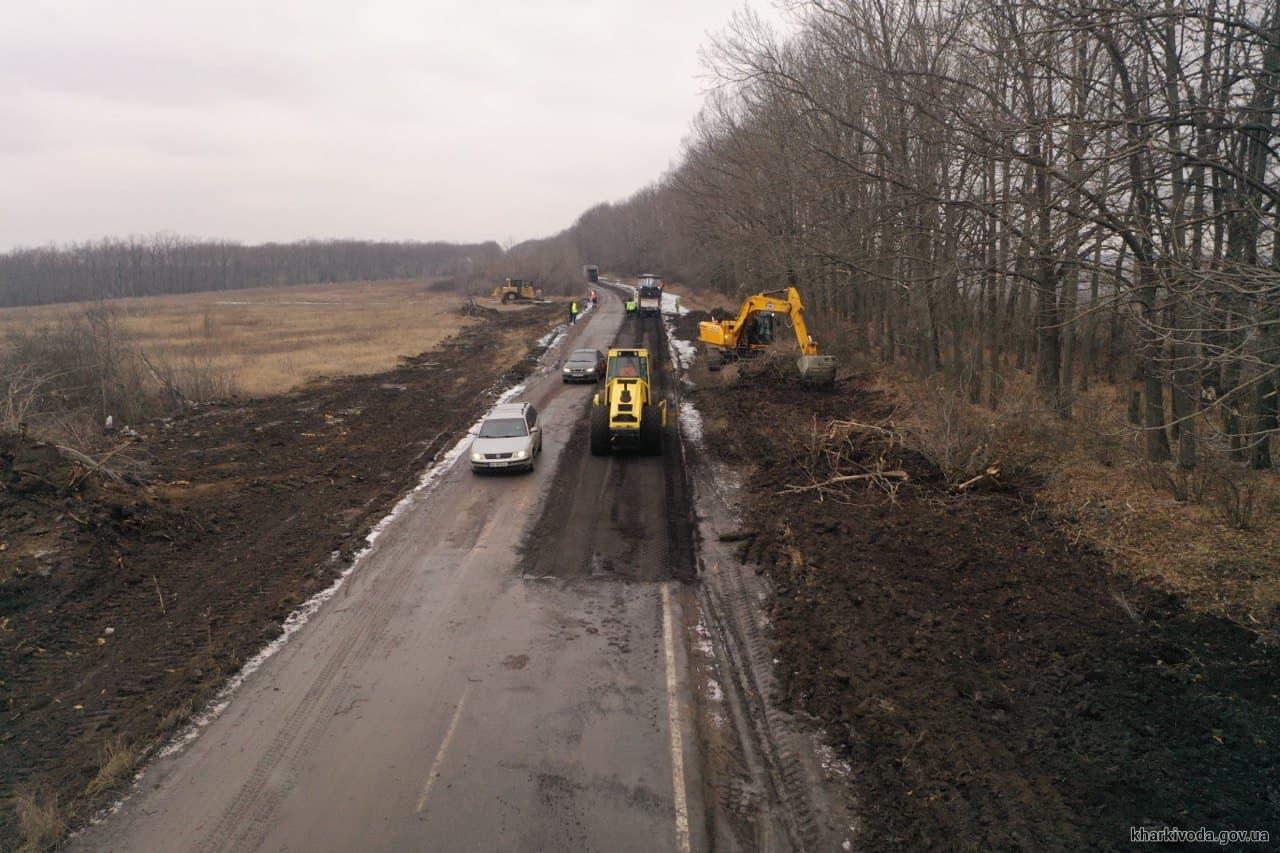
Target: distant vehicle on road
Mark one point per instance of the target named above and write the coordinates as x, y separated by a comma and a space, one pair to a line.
649, 294
509, 438
518, 290
583, 365
593, 273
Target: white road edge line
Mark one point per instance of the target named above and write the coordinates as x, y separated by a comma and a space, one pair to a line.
434, 772
674, 728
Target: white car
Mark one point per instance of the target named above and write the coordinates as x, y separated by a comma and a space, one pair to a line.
509, 439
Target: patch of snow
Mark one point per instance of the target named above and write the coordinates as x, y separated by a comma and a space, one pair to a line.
671, 304
831, 763
684, 352
690, 422
703, 643
552, 337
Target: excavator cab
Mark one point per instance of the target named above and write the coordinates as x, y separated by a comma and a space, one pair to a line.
755, 329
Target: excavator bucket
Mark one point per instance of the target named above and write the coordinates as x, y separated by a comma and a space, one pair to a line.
817, 369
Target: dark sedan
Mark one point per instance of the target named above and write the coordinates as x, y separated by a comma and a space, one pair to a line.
583, 365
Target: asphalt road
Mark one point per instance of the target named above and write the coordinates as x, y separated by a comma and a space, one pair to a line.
462, 692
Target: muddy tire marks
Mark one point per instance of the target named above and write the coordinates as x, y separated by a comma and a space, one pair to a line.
625, 516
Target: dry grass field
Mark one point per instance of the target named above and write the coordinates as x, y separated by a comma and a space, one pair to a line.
270, 339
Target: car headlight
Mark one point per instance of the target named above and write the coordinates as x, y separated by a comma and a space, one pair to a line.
520, 454
567, 370
477, 457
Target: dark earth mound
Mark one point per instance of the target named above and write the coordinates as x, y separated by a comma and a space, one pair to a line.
992, 686
125, 604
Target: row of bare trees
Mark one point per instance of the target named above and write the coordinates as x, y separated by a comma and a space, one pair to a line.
1082, 190
164, 263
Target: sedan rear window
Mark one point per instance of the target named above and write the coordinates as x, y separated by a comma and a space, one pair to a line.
503, 428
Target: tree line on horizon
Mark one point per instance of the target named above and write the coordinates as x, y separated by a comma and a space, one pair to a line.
160, 264
1082, 191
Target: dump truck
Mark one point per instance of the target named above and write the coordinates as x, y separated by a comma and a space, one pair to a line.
517, 290
625, 415
649, 295
592, 272
755, 329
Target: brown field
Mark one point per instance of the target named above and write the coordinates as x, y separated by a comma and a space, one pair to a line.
269, 339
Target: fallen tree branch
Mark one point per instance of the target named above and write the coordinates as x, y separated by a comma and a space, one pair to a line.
847, 478
92, 465
993, 471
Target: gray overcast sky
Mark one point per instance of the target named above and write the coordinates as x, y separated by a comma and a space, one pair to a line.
391, 120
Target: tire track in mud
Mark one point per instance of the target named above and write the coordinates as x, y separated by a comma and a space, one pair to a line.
623, 516
769, 788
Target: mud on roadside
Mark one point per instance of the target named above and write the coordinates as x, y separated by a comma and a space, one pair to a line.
991, 685
124, 606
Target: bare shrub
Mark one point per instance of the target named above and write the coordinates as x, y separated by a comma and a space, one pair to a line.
41, 821
20, 389
1237, 498
89, 363
190, 378
952, 435
116, 761
67, 377
1186, 485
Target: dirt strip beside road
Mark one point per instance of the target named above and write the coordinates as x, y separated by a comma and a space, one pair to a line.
990, 685
123, 607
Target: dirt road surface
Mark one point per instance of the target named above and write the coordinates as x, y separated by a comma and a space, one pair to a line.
459, 693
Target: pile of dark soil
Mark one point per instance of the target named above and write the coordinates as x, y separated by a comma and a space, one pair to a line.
686, 325
992, 686
123, 607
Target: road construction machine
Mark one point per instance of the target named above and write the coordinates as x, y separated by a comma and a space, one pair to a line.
517, 290
755, 329
625, 414
649, 294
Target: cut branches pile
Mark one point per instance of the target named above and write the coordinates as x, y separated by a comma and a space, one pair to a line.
846, 457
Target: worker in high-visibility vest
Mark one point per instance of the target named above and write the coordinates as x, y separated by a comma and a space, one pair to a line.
631, 305
573, 312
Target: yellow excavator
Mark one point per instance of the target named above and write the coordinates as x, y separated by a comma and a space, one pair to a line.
755, 329
625, 415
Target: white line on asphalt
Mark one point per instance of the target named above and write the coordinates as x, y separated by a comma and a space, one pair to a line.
673, 719
434, 772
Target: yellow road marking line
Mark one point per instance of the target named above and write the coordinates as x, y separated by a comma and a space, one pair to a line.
434, 772
674, 727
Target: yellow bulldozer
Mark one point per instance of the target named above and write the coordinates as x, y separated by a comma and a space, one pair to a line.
625, 415
517, 290
756, 328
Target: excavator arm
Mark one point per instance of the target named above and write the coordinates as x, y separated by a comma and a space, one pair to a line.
728, 334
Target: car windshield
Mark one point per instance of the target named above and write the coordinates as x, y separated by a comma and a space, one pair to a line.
650, 290
503, 428
582, 358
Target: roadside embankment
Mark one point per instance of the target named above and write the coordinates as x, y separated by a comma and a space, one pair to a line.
991, 684
130, 594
